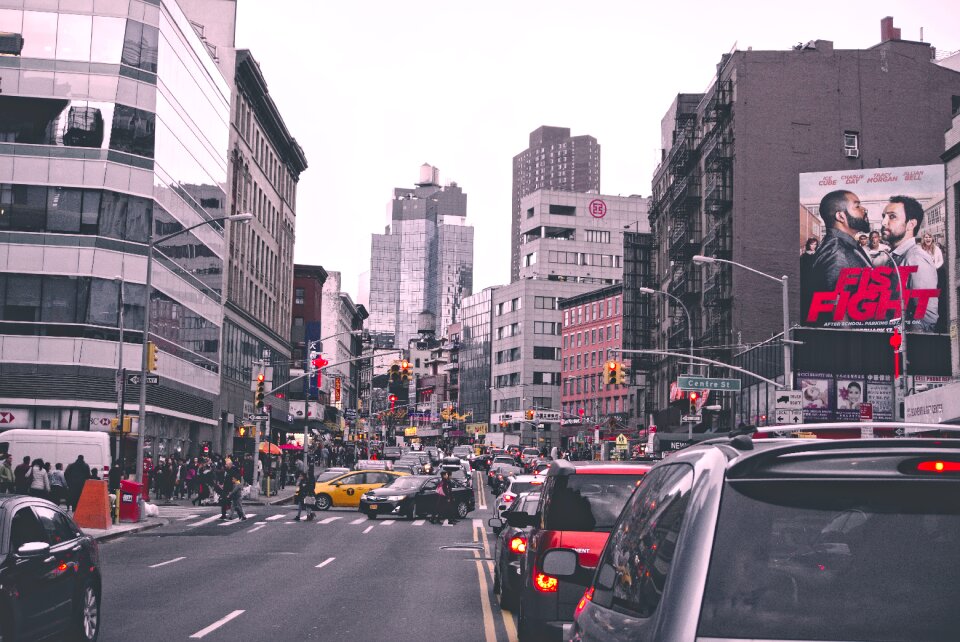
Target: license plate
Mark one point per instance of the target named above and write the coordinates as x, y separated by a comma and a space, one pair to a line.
373, 507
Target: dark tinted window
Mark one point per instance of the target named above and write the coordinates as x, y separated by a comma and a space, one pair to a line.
819, 552
642, 545
25, 528
522, 487
58, 529
587, 502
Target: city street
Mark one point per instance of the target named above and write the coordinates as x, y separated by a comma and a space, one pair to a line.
339, 577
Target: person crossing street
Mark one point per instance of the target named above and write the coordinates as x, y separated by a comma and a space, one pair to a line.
306, 483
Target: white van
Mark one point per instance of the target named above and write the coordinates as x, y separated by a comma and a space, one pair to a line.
57, 446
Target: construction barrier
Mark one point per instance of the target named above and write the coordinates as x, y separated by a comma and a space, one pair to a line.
93, 509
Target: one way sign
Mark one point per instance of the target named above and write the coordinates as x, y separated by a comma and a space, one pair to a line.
135, 379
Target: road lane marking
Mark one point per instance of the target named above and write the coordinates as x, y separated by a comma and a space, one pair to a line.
325, 562
387, 522
508, 623
187, 518
273, 517
490, 633
332, 519
212, 518
216, 625
237, 520
176, 559
257, 527
367, 529
359, 521
419, 522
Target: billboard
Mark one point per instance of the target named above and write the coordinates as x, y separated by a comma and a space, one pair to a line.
872, 246
837, 397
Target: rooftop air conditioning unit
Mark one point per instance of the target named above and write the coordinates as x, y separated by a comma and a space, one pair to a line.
850, 152
11, 44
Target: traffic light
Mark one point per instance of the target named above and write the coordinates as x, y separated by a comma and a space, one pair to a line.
581, 412
317, 364
404, 371
530, 414
393, 400
151, 356
241, 431
610, 376
259, 393
394, 373
694, 396
619, 374
127, 424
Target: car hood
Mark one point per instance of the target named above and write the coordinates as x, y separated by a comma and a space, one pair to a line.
386, 491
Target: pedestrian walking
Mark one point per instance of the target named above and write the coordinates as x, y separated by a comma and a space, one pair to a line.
230, 490
20, 482
58, 485
283, 474
6, 475
39, 480
306, 484
76, 475
443, 508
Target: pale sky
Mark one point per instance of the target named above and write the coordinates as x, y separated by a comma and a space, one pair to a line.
373, 89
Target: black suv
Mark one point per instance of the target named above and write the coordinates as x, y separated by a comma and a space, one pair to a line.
781, 539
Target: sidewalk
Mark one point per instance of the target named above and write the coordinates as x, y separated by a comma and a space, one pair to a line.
124, 528
284, 496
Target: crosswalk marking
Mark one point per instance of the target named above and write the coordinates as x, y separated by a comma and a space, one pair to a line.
273, 517
204, 521
330, 519
387, 522
187, 518
325, 562
359, 521
367, 529
228, 522
419, 522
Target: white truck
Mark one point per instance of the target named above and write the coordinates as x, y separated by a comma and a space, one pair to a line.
501, 439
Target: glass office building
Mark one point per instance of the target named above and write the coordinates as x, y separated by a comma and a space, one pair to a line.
114, 126
475, 334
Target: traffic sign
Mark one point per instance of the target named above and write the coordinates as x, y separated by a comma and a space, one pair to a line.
134, 379
691, 382
789, 400
789, 417
260, 417
622, 443
692, 419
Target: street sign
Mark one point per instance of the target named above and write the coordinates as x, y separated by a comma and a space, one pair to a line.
547, 415
789, 400
866, 411
692, 419
134, 379
788, 417
350, 413
691, 382
261, 417
622, 443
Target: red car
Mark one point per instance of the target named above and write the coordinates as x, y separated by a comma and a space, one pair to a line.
580, 503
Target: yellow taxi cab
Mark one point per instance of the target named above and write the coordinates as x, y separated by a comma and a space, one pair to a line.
346, 489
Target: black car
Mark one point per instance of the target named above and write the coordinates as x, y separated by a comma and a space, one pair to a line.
775, 539
49, 573
510, 550
414, 495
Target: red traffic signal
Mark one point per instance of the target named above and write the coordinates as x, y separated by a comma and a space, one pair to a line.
404, 364
393, 398
581, 411
320, 362
260, 377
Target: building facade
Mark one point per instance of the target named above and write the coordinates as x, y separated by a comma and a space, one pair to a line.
422, 265
724, 149
265, 167
951, 158
341, 330
115, 126
553, 161
475, 357
305, 405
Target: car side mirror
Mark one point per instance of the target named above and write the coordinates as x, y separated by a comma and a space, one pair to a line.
560, 562
496, 524
518, 519
33, 550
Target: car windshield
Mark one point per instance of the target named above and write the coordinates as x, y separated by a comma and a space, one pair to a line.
503, 460
820, 551
527, 504
518, 487
325, 477
588, 502
404, 483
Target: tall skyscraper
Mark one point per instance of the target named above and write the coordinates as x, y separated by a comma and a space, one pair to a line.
422, 265
554, 160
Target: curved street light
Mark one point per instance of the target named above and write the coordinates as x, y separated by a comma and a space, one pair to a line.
644, 290
151, 244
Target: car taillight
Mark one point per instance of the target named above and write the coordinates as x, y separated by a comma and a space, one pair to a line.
518, 545
587, 597
508, 497
545, 583
938, 466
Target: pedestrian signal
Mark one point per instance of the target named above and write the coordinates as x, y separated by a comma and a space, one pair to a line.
693, 402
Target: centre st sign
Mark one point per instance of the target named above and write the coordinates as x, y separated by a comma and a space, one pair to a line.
691, 382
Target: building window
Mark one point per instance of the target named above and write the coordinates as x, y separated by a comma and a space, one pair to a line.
597, 236
563, 210
548, 303
416, 363
544, 352
616, 331
546, 327
851, 144
298, 322
546, 378
530, 259
298, 296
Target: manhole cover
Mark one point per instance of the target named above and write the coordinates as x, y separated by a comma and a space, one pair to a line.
462, 547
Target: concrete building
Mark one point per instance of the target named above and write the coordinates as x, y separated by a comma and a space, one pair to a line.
306, 404
951, 159
422, 265
116, 128
728, 182
341, 327
265, 167
554, 161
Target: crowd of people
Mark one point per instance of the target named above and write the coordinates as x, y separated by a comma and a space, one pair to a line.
39, 479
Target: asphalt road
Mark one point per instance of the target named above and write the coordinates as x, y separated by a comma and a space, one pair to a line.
339, 577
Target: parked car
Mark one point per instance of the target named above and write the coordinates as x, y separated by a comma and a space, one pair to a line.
579, 505
778, 539
49, 573
414, 496
509, 550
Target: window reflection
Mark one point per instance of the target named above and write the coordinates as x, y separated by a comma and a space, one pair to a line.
73, 37
106, 44
140, 43
133, 131
39, 35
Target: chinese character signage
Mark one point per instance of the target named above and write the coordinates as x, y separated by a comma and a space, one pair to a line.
837, 397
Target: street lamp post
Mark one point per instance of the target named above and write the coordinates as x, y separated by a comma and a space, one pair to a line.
784, 284
151, 244
685, 311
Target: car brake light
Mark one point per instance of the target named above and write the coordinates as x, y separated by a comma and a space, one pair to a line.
536, 482
545, 583
518, 545
508, 497
582, 604
939, 467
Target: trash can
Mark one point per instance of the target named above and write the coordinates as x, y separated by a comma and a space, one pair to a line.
129, 501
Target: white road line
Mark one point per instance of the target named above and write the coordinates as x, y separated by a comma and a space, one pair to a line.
290, 522
187, 518
216, 625
325, 562
176, 559
419, 522
273, 517
332, 519
359, 521
387, 522
257, 527
237, 520
204, 521
367, 529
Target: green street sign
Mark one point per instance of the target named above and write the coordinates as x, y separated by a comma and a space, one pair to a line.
691, 382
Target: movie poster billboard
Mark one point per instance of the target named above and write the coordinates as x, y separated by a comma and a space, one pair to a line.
859, 230
837, 397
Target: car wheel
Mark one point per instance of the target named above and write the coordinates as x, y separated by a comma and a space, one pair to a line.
86, 622
462, 510
508, 601
324, 502
410, 513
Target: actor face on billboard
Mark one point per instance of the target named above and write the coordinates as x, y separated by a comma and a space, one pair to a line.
902, 217
849, 397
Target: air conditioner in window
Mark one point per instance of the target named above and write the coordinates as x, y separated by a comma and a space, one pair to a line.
851, 152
